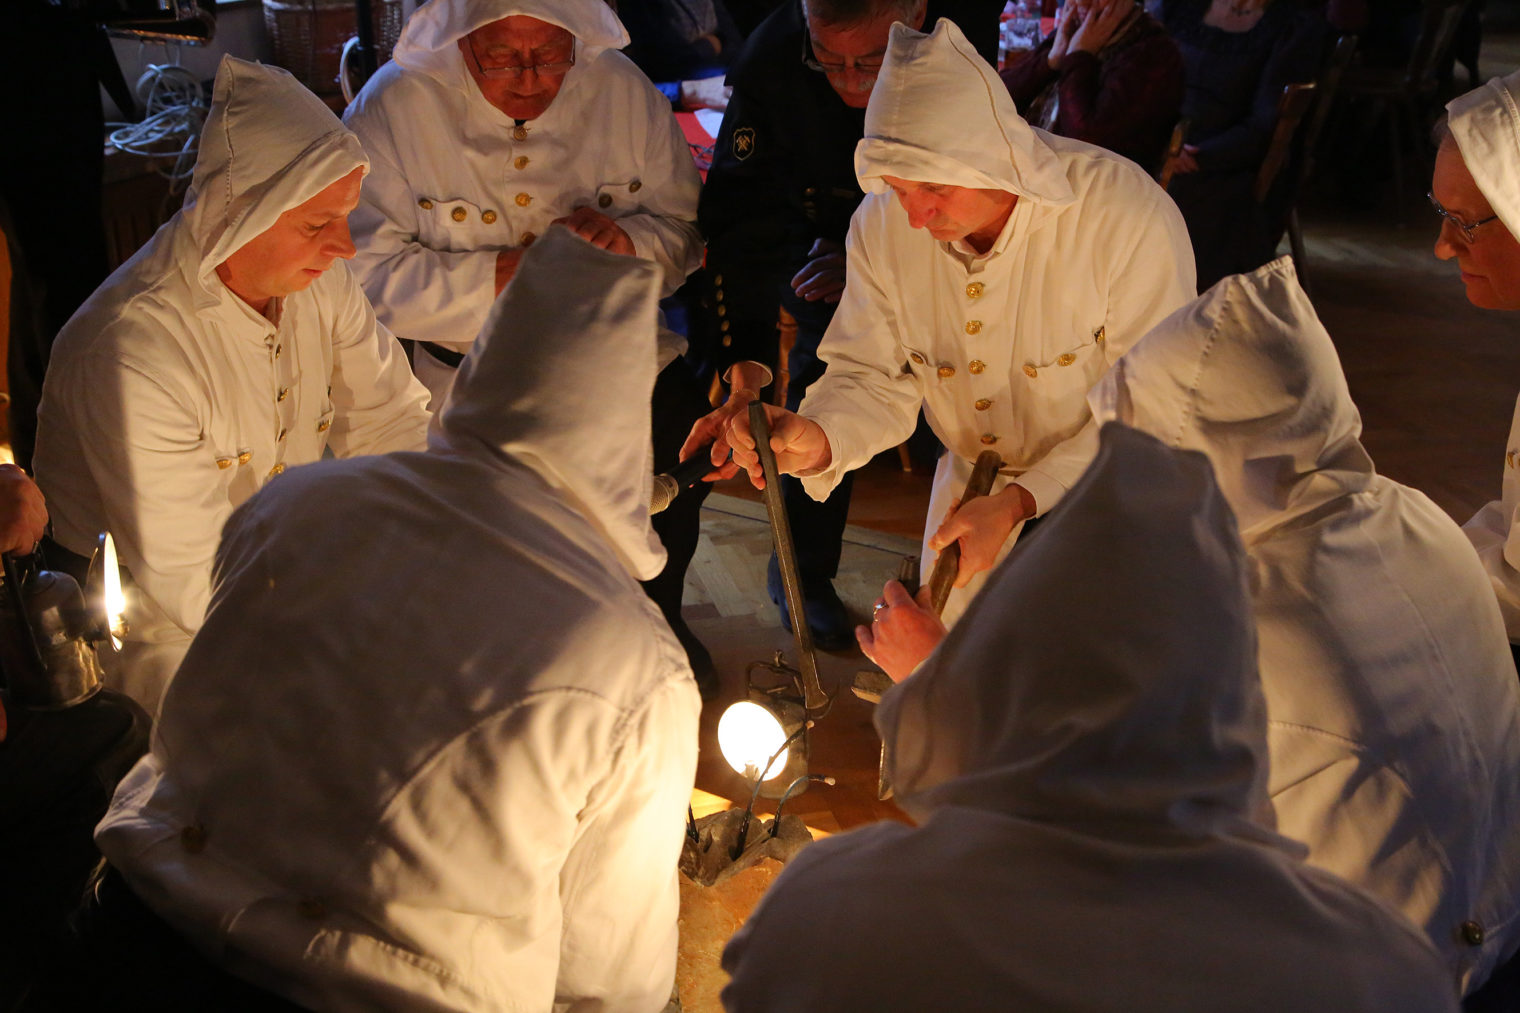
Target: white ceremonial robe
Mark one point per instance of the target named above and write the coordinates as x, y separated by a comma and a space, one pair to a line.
454, 180
998, 350
437, 745
1494, 532
1393, 705
1084, 839
169, 402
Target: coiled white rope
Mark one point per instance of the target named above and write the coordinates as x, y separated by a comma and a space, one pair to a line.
175, 104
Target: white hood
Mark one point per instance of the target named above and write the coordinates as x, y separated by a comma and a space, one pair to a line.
1247, 374
940, 114
1157, 722
533, 389
1486, 126
428, 43
268, 145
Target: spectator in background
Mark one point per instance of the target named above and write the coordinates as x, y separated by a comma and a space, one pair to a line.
1110, 75
1238, 55
679, 44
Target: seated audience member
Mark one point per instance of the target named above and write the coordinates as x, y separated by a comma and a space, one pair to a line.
1476, 190
1110, 75
231, 347
1238, 55
684, 46
995, 272
496, 119
355, 805
1087, 796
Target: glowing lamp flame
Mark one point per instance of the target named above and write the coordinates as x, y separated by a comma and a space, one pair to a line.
116, 602
749, 735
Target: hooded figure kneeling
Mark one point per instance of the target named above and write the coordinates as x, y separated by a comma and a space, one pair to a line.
1394, 713
433, 751
1086, 801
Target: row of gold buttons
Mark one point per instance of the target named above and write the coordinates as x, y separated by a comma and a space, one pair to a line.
946, 372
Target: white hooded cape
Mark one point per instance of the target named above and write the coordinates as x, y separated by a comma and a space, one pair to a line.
1086, 841
999, 350
437, 746
1485, 123
169, 401
451, 185
1394, 720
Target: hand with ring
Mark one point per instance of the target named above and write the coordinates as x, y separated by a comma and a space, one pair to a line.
903, 631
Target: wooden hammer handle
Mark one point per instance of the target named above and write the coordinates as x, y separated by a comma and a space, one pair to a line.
949, 562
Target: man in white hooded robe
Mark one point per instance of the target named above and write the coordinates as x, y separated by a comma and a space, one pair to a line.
494, 119
1085, 803
234, 345
1394, 713
1476, 188
357, 805
1010, 270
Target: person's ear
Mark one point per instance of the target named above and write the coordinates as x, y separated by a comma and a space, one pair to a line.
920, 10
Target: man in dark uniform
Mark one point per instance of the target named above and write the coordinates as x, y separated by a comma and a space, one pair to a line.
775, 211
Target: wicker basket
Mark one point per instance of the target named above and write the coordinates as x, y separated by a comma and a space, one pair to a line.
308, 37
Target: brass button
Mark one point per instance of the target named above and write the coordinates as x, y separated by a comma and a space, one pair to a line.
224, 463
520, 162
973, 326
977, 366
519, 133
278, 349
723, 326
1065, 359
459, 214
324, 425
917, 358
312, 909
245, 457
528, 238
1509, 458
284, 393
489, 217
1030, 371
1472, 933
722, 310
604, 201
281, 437
425, 204
193, 838
718, 280
974, 290
718, 294
1098, 335
946, 372
277, 469
809, 191
983, 404
728, 339
523, 200
635, 186
989, 439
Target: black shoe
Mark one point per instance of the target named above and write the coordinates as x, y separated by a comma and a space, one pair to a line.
827, 619
699, 658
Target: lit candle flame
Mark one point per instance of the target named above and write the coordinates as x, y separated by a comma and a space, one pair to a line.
116, 602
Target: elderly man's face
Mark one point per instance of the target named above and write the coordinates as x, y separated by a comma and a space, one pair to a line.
857, 50
491, 52
949, 213
295, 251
1491, 262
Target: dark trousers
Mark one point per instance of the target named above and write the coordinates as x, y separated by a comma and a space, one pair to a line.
817, 528
677, 403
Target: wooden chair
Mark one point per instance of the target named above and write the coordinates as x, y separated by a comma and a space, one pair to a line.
1291, 109
1406, 93
1324, 100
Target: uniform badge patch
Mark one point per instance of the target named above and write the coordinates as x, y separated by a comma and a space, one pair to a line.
744, 143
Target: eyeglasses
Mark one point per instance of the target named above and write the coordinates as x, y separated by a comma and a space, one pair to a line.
1468, 229
516, 70
867, 66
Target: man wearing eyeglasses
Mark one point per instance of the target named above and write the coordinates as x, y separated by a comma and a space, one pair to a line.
496, 119
775, 212
1476, 191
